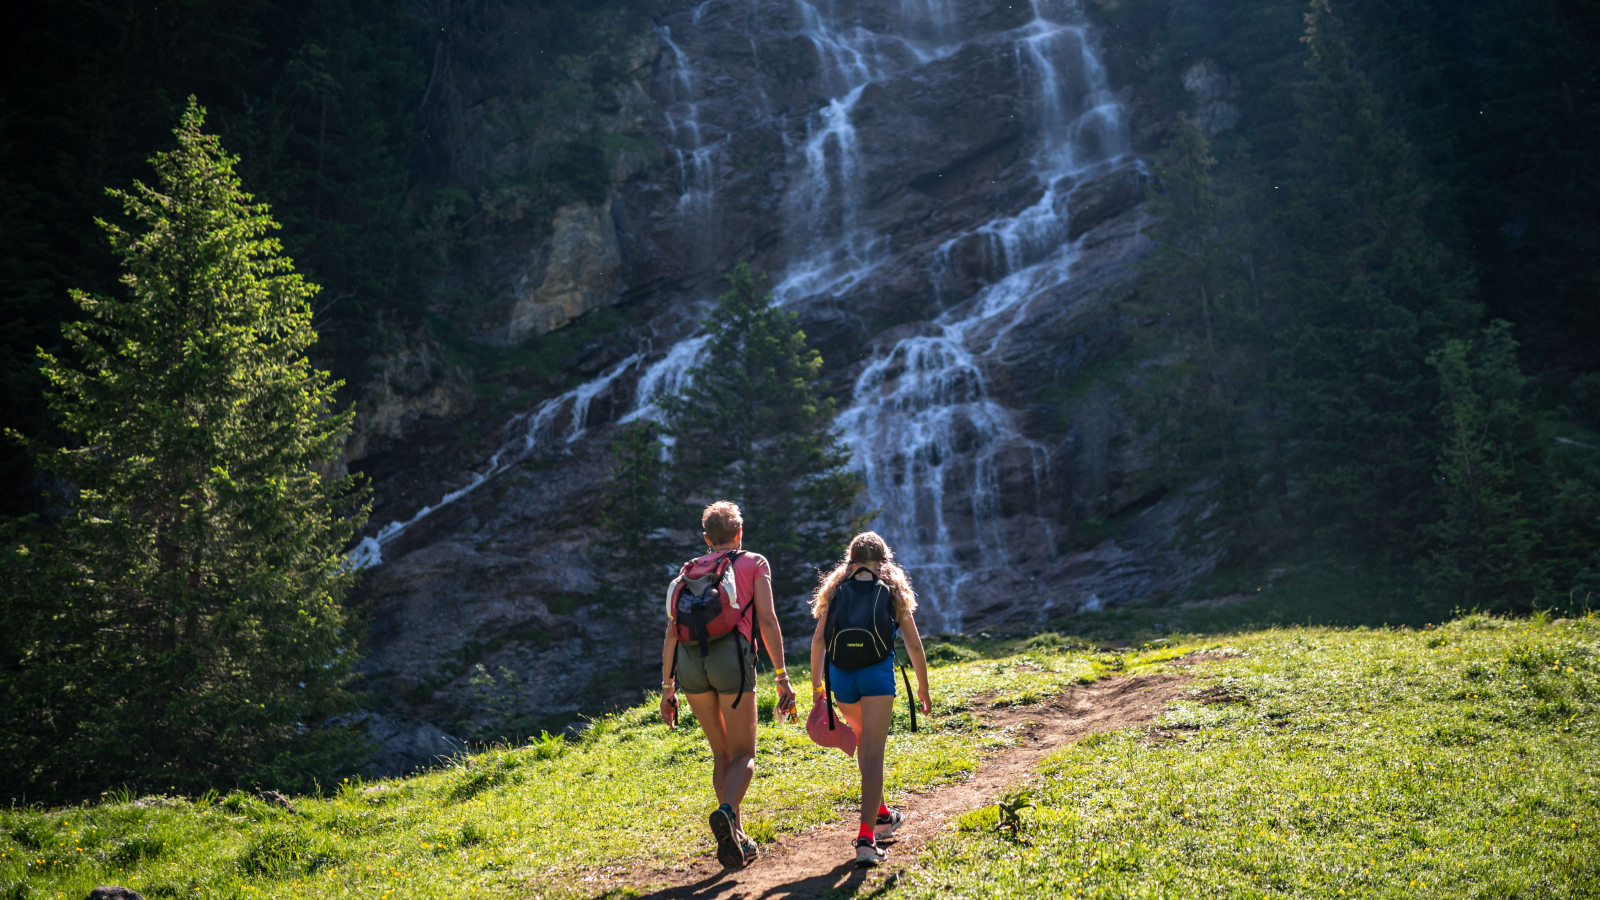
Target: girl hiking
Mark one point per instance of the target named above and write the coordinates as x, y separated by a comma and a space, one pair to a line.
708, 654
859, 606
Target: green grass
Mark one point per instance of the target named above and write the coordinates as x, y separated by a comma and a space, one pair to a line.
1459, 762
508, 820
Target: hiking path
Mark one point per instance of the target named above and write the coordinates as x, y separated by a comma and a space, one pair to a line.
819, 861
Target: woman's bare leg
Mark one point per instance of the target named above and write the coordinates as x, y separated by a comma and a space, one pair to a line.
708, 712
739, 749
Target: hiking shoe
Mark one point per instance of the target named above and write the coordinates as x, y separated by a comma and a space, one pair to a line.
868, 853
888, 825
722, 826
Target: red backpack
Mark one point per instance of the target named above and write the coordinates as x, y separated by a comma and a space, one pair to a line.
703, 602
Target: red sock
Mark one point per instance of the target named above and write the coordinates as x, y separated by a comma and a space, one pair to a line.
883, 809
865, 832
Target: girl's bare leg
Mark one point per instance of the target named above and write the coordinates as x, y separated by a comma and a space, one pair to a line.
870, 719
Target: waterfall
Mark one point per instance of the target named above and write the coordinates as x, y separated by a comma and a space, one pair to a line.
931, 443
525, 433
696, 164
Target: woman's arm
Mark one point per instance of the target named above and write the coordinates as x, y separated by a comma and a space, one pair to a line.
919, 660
773, 635
669, 690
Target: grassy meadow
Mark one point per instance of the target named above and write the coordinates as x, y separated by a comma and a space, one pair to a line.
1460, 761
1308, 762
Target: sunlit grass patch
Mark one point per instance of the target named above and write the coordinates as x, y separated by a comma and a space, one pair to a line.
515, 820
1453, 762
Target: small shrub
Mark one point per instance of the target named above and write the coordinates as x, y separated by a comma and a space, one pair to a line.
1096, 740
242, 804
548, 746
31, 833
138, 847
280, 851
1047, 642
473, 783
1008, 812
1530, 659
945, 654
598, 728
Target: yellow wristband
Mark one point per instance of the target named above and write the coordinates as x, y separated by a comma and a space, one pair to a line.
819, 690
779, 673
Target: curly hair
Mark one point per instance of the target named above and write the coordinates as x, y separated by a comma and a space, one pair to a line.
868, 546
721, 521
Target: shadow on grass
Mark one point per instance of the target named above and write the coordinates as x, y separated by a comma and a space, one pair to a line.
841, 881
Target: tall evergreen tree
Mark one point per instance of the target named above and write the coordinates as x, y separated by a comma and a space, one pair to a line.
1369, 294
1208, 402
637, 516
199, 637
1490, 473
752, 427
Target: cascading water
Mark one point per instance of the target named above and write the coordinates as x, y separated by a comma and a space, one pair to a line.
935, 449
910, 405
695, 157
524, 434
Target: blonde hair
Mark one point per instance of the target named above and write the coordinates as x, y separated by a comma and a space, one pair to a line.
721, 521
868, 546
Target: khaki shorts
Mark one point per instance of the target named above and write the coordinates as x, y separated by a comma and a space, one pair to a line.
718, 670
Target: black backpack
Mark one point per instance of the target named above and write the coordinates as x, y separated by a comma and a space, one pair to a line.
860, 632
861, 625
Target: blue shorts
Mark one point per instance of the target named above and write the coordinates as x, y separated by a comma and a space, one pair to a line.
876, 680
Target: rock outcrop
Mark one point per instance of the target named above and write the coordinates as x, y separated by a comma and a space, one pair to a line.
578, 269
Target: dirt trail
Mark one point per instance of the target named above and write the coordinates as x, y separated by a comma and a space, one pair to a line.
819, 861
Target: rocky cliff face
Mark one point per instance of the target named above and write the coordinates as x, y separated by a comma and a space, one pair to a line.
949, 193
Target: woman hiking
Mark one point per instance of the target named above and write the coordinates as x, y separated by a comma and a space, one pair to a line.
859, 606
711, 607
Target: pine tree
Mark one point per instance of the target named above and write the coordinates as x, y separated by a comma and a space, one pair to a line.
1206, 402
1490, 470
1369, 294
752, 428
200, 637
635, 544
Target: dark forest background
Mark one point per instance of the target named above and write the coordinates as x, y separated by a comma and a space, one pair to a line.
347, 117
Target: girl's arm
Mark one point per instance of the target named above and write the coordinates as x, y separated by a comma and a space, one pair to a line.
919, 660
669, 690
818, 655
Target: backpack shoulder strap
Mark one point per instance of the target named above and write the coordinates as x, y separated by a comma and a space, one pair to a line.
672, 596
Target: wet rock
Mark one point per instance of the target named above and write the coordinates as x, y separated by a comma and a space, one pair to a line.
273, 798
578, 269
406, 746
406, 387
